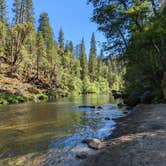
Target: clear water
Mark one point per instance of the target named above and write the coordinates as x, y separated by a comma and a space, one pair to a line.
51, 133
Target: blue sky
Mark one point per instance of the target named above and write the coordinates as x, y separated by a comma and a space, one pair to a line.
72, 15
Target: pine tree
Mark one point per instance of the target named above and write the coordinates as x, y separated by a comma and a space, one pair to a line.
71, 47
29, 11
61, 39
40, 52
92, 59
3, 10
45, 29
83, 61
23, 11
100, 64
16, 10
77, 51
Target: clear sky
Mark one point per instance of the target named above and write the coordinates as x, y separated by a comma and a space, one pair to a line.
72, 15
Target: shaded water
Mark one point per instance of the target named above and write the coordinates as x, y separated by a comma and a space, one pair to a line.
51, 133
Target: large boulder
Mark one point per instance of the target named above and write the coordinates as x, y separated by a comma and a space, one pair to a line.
133, 99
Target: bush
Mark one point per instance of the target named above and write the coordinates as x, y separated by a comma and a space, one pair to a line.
42, 97
3, 101
11, 98
30, 97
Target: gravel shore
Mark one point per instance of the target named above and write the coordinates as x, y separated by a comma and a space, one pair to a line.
138, 140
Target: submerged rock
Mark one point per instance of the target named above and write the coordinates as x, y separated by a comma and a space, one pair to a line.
107, 118
82, 155
91, 107
120, 105
97, 112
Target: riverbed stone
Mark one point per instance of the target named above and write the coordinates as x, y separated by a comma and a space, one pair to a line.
94, 143
97, 112
82, 155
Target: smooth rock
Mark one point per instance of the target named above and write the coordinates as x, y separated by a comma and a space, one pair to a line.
82, 155
95, 143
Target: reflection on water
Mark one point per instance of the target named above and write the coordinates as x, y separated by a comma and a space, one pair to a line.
35, 133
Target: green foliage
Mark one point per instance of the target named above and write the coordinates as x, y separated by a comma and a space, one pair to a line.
42, 97
136, 32
11, 98
83, 61
23, 11
93, 60
45, 29
35, 57
3, 10
3, 101
61, 39
30, 97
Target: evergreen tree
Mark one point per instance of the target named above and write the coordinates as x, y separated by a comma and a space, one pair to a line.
77, 51
40, 53
71, 47
29, 11
61, 39
17, 11
45, 29
23, 11
99, 64
92, 59
83, 61
3, 10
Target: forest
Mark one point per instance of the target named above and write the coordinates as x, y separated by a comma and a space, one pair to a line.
49, 67
136, 32
135, 61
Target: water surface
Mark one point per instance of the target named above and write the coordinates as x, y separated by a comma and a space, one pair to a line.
51, 133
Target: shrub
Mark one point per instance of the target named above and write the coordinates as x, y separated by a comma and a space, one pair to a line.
42, 97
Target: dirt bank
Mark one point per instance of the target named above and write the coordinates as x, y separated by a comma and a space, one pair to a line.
139, 140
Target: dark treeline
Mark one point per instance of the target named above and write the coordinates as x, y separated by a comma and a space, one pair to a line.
136, 32
34, 56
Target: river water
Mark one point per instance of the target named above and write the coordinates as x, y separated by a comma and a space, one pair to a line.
50, 133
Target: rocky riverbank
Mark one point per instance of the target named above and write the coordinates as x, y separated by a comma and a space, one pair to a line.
138, 140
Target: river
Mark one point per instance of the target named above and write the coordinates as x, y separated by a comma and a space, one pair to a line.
51, 133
